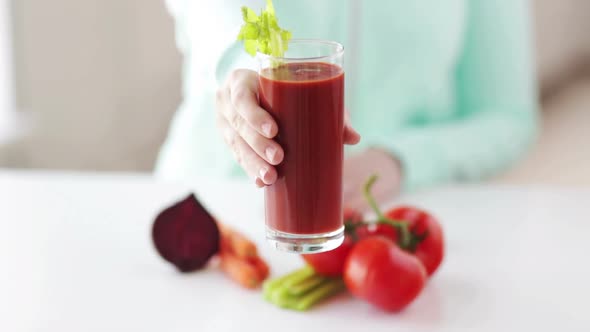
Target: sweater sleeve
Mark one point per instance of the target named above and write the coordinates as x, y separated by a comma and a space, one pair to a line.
194, 148
496, 97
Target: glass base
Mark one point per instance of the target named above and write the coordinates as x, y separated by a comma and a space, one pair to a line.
305, 243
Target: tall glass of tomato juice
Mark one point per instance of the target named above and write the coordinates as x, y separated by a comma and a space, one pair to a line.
304, 92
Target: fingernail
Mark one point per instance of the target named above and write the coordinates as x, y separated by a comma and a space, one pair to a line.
263, 171
271, 153
266, 129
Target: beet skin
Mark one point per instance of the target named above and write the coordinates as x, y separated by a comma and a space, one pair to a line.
186, 235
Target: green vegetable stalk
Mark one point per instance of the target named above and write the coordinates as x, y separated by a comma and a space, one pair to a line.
261, 33
301, 289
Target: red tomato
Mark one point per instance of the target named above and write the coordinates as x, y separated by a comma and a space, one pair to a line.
430, 249
330, 263
381, 273
352, 216
377, 229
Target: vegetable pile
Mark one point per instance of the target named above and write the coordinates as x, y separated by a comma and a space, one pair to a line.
187, 236
385, 262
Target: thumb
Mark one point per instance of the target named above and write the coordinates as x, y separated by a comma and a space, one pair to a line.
351, 136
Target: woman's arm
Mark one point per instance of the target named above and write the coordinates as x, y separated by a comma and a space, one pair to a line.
496, 98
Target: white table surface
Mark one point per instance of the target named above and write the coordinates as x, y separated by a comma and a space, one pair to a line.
76, 255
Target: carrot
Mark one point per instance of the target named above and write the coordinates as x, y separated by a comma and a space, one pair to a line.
224, 244
239, 258
240, 270
261, 267
236, 243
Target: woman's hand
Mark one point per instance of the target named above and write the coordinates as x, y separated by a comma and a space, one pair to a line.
358, 168
249, 130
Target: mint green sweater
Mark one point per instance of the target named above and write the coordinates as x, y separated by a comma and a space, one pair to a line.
446, 86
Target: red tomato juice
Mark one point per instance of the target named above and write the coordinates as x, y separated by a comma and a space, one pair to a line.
307, 101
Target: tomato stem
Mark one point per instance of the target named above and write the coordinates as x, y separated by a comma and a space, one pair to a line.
367, 192
402, 229
405, 237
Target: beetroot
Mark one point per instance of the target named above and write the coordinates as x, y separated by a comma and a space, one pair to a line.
186, 235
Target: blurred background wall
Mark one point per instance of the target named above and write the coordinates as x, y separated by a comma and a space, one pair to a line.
100, 80
97, 82
7, 100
